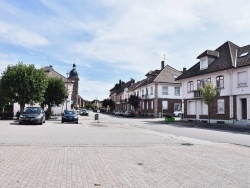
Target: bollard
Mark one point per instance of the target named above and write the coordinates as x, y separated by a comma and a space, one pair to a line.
96, 117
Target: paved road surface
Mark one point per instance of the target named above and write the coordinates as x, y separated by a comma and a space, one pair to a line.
105, 154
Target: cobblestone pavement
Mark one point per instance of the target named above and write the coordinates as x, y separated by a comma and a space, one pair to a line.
118, 157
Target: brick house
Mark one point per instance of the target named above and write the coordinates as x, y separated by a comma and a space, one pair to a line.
228, 68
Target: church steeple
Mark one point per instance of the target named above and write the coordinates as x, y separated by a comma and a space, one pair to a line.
73, 73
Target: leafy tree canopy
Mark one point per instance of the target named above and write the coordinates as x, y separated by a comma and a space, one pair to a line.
209, 93
134, 100
89, 105
24, 84
107, 102
3, 98
55, 92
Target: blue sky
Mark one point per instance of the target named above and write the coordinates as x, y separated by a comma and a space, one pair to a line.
111, 40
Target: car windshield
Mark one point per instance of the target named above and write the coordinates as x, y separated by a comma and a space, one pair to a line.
69, 112
32, 111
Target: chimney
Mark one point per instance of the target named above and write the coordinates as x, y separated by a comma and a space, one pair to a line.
120, 82
184, 69
162, 65
50, 69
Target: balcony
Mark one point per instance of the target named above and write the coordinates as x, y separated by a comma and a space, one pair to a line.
197, 94
124, 100
144, 97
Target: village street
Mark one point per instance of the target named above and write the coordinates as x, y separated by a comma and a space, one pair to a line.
118, 152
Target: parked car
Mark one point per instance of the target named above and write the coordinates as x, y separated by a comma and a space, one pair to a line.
121, 113
84, 112
117, 112
128, 113
178, 113
102, 110
70, 116
32, 115
78, 111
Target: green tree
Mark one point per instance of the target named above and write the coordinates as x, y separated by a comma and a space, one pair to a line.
107, 102
24, 84
89, 105
55, 93
3, 98
134, 100
209, 94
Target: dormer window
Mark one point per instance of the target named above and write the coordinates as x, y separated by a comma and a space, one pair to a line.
203, 63
206, 58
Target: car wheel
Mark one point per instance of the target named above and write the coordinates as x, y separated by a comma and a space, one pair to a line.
41, 122
20, 123
62, 121
76, 122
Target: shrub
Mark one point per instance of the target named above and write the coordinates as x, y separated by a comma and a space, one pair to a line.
6, 115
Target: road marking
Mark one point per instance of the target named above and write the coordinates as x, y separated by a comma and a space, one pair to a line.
85, 125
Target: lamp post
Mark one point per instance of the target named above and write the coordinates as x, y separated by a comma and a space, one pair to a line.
67, 92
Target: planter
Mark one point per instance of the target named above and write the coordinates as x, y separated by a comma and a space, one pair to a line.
169, 119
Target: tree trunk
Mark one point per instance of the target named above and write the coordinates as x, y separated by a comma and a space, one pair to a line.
208, 114
49, 111
22, 107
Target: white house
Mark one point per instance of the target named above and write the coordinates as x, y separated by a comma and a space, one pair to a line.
228, 68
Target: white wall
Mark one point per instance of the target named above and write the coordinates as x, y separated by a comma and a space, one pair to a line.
171, 91
56, 110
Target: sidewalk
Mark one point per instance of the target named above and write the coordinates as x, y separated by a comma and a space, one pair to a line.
239, 127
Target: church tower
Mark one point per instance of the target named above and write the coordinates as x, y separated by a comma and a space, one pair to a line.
73, 75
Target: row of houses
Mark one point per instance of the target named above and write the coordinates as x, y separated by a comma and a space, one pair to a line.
159, 92
166, 90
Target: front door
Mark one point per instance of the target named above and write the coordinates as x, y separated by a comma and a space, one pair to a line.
244, 108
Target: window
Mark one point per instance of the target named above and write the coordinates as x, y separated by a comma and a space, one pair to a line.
203, 64
143, 105
137, 93
165, 105
177, 91
151, 90
152, 105
191, 107
220, 106
204, 108
220, 81
190, 86
142, 93
177, 106
146, 104
242, 79
198, 84
202, 83
164, 90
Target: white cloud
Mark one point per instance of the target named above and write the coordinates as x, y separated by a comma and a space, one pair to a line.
123, 34
91, 89
19, 36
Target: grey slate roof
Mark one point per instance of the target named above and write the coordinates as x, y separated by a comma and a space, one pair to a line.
228, 58
209, 53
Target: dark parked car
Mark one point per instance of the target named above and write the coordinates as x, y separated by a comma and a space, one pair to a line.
32, 115
69, 116
102, 110
128, 113
84, 112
